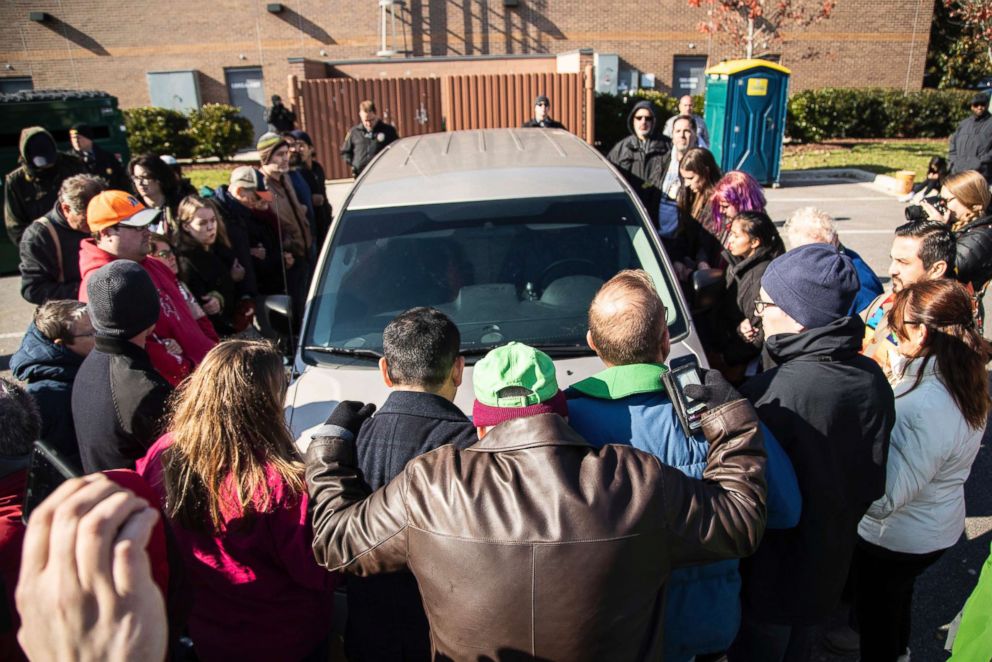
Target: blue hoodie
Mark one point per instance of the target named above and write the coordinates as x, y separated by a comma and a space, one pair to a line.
49, 371
628, 405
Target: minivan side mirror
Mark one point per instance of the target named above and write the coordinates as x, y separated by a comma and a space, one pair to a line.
707, 288
273, 316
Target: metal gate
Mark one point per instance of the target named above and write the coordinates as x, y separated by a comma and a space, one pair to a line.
330, 108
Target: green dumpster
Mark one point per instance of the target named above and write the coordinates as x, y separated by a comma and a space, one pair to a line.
57, 111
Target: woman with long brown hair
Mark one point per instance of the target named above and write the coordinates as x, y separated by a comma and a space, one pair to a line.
942, 403
232, 482
699, 173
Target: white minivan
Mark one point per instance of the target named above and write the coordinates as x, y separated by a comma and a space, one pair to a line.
510, 232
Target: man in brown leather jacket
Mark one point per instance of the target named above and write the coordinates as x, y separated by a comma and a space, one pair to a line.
531, 543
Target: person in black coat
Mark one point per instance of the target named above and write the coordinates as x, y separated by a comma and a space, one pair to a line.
301, 159
971, 144
97, 160
244, 208
639, 155
118, 398
53, 349
366, 139
208, 265
752, 243
50, 246
966, 209
386, 619
832, 410
542, 115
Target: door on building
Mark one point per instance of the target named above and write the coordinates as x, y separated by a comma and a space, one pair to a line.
246, 91
688, 76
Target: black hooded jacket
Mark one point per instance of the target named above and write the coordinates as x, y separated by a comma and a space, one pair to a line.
361, 146
266, 274
640, 160
30, 192
833, 411
743, 282
971, 146
973, 255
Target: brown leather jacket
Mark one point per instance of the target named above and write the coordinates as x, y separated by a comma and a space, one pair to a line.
533, 544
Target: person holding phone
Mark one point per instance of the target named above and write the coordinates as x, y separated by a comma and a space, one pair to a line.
628, 404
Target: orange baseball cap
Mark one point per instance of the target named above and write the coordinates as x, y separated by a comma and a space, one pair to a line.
111, 208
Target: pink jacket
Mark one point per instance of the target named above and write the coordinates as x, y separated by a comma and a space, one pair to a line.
258, 593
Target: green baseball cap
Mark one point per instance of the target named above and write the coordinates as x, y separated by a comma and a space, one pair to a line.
514, 364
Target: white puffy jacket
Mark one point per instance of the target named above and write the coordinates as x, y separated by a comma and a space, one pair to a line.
930, 457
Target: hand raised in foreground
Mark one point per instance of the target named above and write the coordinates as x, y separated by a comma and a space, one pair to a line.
85, 590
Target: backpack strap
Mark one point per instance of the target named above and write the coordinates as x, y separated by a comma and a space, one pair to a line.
58, 245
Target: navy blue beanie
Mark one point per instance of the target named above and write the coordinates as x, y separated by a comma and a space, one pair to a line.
813, 284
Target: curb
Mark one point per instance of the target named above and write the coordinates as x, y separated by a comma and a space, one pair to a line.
883, 183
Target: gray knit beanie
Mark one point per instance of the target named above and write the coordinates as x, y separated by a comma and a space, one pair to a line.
123, 300
813, 284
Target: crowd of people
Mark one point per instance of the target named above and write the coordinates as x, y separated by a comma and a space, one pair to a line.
840, 423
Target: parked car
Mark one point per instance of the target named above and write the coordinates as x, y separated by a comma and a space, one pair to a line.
509, 232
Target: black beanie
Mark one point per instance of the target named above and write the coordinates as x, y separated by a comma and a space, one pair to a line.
123, 300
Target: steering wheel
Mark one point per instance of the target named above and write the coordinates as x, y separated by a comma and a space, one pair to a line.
568, 267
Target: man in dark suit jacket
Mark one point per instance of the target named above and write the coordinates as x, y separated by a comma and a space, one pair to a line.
422, 366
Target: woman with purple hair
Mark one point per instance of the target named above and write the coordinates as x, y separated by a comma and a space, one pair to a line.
736, 192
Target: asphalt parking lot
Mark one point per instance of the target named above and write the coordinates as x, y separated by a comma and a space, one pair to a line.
866, 218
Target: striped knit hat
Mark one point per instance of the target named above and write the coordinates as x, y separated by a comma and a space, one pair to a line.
267, 144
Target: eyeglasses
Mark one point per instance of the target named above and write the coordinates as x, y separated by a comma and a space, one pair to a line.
643, 118
760, 306
142, 179
164, 253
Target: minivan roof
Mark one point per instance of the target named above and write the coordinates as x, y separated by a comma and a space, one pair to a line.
486, 164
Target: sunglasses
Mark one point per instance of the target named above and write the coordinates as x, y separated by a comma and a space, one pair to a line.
643, 118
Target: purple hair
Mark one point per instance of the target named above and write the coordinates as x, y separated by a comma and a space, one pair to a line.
740, 190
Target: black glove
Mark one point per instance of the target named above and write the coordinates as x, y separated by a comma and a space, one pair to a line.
350, 414
714, 391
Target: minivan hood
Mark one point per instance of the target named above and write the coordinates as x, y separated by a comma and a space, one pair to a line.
316, 392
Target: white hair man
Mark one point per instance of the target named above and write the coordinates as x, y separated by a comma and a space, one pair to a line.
810, 225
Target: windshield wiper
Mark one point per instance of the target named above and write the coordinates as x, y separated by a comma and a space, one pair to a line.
560, 350
344, 351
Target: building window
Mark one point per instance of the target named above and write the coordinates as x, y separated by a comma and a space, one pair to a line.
16, 84
688, 75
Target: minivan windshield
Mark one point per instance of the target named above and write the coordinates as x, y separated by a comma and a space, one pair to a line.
523, 269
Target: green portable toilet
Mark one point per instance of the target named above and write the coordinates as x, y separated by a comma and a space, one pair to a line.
745, 115
57, 111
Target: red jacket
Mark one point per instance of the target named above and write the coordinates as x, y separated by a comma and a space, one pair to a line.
175, 321
258, 593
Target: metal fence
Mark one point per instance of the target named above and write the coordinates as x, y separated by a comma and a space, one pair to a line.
329, 107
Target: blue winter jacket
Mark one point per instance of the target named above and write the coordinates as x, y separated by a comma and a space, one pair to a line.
871, 286
49, 371
628, 405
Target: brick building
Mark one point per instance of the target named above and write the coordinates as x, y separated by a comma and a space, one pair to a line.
225, 50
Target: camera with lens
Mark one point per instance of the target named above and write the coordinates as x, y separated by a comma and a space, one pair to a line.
916, 213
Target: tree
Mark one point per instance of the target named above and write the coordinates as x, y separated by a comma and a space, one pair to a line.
958, 56
976, 17
755, 24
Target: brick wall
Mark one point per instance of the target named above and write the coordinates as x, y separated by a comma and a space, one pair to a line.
111, 45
